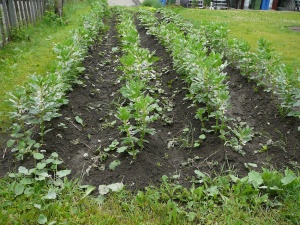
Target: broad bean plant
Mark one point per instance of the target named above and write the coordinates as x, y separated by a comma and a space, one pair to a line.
140, 109
195, 57
39, 100
263, 66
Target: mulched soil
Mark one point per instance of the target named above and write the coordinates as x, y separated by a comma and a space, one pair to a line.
81, 147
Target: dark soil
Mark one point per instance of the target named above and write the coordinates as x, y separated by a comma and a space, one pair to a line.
95, 102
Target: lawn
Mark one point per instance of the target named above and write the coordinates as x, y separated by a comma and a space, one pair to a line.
250, 25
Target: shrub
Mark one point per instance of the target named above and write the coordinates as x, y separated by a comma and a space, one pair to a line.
152, 3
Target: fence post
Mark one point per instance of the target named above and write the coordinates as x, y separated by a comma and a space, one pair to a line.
33, 13
18, 14
22, 13
6, 18
2, 29
27, 17
58, 8
30, 20
12, 14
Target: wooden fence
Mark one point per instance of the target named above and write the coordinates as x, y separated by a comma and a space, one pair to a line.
17, 13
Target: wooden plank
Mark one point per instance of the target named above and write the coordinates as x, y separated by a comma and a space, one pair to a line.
42, 7
12, 13
37, 9
6, 18
17, 12
2, 28
27, 18
22, 12
29, 11
34, 11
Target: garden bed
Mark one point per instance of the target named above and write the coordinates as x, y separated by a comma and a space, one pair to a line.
81, 142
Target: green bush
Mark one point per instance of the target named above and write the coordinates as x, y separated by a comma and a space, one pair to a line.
152, 3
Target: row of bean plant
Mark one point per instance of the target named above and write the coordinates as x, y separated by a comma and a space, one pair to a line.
140, 109
264, 66
268, 71
39, 100
202, 68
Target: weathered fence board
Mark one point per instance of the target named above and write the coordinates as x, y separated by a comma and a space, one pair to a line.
17, 13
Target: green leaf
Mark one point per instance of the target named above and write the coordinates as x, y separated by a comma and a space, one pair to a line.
42, 175
28, 191
37, 206
196, 144
199, 174
122, 149
54, 155
202, 136
88, 190
42, 219
19, 189
56, 162
10, 143
262, 199
234, 178
52, 223
12, 175
100, 199
113, 165
26, 180
255, 178
79, 120
191, 216
41, 166
186, 130
38, 156
289, 177
63, 173
51, 194
23, 170
212, 191
103, 189
116, 187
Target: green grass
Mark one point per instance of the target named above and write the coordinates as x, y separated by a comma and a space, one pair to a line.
250, 25
33, 54
233, 203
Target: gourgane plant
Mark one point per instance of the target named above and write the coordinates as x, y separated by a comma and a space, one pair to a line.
39, 100
139, 114
34, 105
137, 70
45, 170
263, 66
200, 65
267, 70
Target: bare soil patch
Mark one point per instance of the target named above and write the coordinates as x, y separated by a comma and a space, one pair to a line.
81, 147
